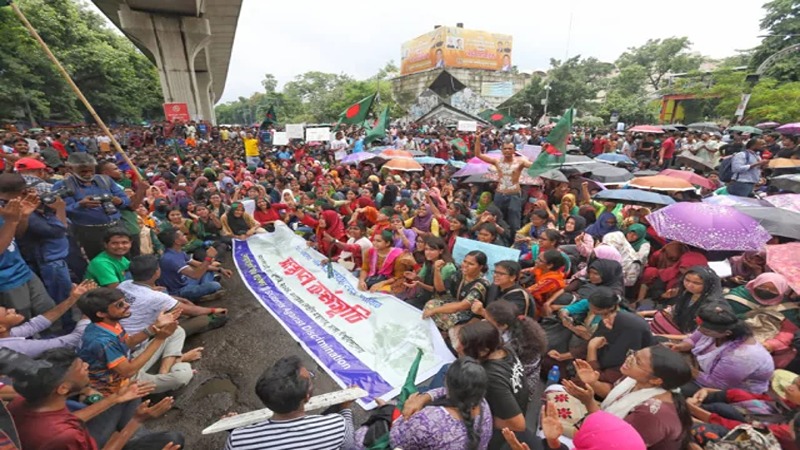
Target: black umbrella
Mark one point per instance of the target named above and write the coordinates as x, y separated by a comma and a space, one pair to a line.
778, 221
693, 162
789, 183
554, 175
601, 172
704, 126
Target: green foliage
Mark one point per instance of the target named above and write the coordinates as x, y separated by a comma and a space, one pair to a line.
770, 98
119, 82
781, 24
313, 97
658, 57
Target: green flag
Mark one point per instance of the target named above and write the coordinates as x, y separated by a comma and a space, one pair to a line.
357, 112
459, 145
495, 117
270, 117
379, 130
408, 388
554, 150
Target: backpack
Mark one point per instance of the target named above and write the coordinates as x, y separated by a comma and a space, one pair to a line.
725, 171
766, 322
746, 437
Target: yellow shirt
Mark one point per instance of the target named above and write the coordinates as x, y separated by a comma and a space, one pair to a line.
251, 147
224, 134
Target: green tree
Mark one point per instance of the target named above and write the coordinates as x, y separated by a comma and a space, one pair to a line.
119, 82
659, 57
781, 24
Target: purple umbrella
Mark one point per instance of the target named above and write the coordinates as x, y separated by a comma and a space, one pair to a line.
789, 128
709, 227
767, 125
785, 201
356, 158
733, 200
471, 169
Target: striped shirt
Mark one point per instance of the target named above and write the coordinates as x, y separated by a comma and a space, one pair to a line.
328, 432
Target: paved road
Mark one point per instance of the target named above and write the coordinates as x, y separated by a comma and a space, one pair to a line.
234, 357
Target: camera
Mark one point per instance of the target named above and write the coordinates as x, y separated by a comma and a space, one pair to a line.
106, 203
50, 197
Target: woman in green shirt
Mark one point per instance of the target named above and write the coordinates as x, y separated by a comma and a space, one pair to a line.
421, 286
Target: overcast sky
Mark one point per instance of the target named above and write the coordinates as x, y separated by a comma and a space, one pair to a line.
357, 37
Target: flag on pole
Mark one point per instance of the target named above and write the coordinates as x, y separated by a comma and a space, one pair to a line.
379, 130
357, 112
554, 149
495, 117
178, 151
408, 388
270, 117
459, 145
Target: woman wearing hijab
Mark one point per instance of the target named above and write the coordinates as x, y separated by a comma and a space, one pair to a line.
574, 226
774, 321
747, 266
484, 201
238, 224
566, 209
606, 223
328, 228
631, 265
665, 269
636, 235
423, 222
699, 286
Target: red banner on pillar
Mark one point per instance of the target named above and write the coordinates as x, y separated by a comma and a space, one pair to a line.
176, 111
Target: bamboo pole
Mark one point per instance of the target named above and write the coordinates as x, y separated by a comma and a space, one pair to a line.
74, 87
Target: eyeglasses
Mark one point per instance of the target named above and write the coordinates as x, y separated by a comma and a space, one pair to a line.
631, 355
120, 304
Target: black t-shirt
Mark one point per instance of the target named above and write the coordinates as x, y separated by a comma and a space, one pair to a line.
507, 393
515, 294
630, 332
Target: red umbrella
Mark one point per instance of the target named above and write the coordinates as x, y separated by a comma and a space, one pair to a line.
647, 129
691, 177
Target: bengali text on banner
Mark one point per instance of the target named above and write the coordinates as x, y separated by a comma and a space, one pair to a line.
359, 338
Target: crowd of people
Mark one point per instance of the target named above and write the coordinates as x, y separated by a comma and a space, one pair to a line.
602, 334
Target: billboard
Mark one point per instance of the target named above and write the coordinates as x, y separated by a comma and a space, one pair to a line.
457, 48
176, 111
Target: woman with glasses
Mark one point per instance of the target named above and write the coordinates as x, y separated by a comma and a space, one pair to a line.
506, 287
727, 353
647, 396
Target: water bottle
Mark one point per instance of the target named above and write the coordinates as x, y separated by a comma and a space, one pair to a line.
554, 376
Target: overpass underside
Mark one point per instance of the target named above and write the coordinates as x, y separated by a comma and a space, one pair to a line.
189, 41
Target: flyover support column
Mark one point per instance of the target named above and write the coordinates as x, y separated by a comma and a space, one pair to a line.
174, 43
206, 99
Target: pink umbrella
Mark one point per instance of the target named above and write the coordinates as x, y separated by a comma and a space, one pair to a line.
785, 260
647, 129
472, 169
767, 125
789, 128
785, 201
691, 177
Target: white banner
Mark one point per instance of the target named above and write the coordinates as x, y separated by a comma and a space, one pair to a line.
295, 131
742, 106
467, 125
318, 134
280, 138
360, 338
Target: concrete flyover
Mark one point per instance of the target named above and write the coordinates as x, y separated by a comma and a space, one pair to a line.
190, 41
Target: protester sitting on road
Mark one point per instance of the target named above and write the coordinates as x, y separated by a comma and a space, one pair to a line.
285, 388
19, 335
106, 346
353, 251
728, 355
464, 287
429, 280
110, 267
506, 287
645, 397
186, 277
43, 421
238, 224
148, 300
458, 417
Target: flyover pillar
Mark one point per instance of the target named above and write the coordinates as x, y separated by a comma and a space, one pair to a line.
178, 45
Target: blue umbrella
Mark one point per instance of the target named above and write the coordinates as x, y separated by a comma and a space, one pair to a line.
430, 160
614, 158
634, 196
